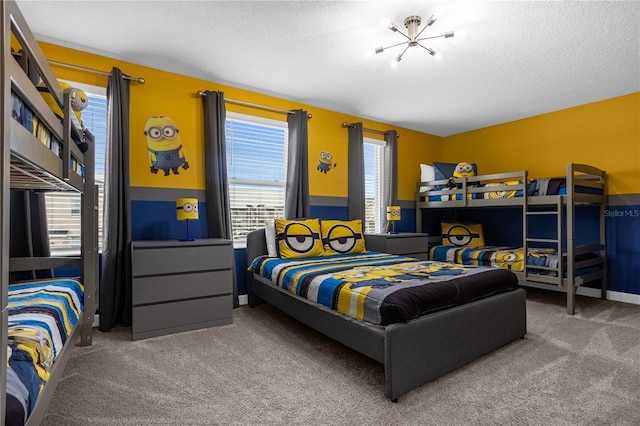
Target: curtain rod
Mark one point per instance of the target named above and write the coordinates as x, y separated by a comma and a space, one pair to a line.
258, 106
138, 80
365, 129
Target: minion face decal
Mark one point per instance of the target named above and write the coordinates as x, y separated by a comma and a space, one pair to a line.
325, 162
164, 146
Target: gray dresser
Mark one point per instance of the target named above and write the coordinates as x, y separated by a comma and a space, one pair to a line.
181, 285
404, 244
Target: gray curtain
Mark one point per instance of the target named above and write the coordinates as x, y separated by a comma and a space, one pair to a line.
391, 169
29, 234
296, 203
355, 177
115, 284
216, 181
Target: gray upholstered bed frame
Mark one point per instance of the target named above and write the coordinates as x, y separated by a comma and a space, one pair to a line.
412, 353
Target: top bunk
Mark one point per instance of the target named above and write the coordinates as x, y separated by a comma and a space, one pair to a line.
45, 138
582, 184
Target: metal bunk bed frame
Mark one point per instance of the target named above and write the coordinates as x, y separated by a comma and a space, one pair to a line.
577, 176
28, 164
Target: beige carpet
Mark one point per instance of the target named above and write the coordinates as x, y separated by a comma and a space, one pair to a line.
266, 368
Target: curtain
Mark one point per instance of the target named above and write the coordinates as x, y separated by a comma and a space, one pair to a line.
391, 169
296, 203
115, 284
355, 177
216, 181
29, 234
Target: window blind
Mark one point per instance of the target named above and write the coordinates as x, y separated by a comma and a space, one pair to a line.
257, 170
374, 178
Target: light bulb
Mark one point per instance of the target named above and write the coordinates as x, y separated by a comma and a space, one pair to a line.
385, 22
394, 64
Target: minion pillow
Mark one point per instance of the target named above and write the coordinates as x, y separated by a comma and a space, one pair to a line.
342, 237
462, 234
297, 239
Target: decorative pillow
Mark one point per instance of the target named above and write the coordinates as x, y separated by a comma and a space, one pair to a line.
427, 174
270, 237
342, 237
298, 238
462, 234
445, 171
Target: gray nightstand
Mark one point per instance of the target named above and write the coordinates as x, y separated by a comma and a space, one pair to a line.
181, 285
405, 244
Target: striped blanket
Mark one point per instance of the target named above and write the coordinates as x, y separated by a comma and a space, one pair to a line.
511, 258
42, 315
382, 289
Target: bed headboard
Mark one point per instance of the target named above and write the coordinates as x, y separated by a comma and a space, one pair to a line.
256, 245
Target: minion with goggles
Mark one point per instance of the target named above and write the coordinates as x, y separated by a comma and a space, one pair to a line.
325, 162
164, 146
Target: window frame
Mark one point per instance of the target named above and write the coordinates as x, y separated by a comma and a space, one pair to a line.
379, 208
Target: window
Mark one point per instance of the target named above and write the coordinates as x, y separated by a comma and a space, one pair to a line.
257, 171
63, 209
374, 178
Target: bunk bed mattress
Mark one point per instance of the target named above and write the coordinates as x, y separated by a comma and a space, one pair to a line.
382, 289
42, 315
511, 258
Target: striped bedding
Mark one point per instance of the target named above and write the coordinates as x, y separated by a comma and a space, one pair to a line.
42, 315
511, 258
382, 289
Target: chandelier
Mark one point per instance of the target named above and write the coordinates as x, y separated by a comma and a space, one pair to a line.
412, 24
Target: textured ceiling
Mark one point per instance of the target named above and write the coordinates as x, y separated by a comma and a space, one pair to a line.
509, 59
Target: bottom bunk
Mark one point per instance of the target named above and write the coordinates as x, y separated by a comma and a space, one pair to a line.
416, 341
44, 324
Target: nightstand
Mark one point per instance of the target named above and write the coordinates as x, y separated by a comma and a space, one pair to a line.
404, 244
180, 285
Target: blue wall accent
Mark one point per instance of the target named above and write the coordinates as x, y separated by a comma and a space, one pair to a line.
156, 220
623, 242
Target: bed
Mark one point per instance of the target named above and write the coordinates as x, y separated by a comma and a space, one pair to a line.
559, 199
41, 321
415, 345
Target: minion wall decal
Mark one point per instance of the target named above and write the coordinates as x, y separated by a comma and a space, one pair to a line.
164, 146
325, 162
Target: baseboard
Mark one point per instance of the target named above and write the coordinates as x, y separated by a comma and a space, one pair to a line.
616, 296
243, 299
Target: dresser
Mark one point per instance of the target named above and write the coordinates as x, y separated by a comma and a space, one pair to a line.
404, 244
181, 285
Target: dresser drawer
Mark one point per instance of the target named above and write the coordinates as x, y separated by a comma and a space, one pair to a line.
153, 289
183, 314
407, 245
186, 258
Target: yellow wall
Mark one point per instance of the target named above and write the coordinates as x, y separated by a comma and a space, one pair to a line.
174, 95
604, 134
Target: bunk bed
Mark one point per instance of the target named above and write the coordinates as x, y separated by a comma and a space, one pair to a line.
41, 321
428, 340
574, 263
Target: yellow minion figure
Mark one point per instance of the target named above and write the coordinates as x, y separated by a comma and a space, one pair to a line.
463, 170
164, 146
325, 162
79, 100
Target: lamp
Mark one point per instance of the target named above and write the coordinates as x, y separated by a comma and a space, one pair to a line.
412, 23
187, 209
393, 215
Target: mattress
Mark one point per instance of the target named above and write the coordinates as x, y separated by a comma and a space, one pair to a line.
383, 289
42, 316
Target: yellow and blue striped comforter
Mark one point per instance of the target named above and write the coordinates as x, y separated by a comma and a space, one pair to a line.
42, 315
380, 288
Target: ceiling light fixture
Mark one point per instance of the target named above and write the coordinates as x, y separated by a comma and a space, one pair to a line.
412, 23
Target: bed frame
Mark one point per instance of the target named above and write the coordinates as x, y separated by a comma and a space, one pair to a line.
28, 164
415, 352
578, 178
